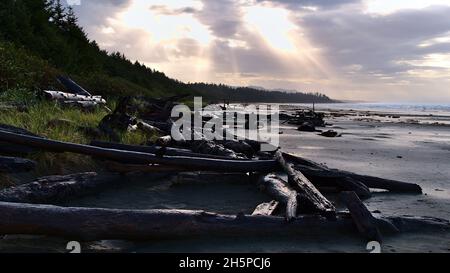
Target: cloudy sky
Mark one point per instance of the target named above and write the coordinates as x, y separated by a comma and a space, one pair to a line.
373, 50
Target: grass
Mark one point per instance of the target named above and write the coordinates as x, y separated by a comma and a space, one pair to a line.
39, 118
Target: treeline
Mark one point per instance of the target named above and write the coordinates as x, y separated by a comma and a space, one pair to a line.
40, 39
220, 92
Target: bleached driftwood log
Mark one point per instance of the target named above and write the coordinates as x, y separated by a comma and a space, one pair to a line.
266, 208
281, 192
90, 224
312, 197
62, 96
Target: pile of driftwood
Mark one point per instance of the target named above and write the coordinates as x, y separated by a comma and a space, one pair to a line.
299, 205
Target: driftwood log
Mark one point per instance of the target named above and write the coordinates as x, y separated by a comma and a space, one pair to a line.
57, 189
313, 169
155, 149
309, 193
364, 221
16, 165
12, 149
281, 192
61, 96
90, 224
324, 179
266, 208
140, 158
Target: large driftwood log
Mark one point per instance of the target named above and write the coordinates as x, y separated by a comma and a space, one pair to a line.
312, 168
324, 179
364, 221
12, 149
266, 208
280, 191
141, 158
16, 165
155, 149
57, 189
98, 224
61, 96
370, 181
310, 194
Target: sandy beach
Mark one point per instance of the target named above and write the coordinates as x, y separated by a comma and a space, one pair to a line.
391, 148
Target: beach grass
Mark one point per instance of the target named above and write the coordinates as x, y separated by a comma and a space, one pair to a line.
39, 116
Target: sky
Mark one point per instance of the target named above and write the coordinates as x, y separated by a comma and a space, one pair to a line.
369, 50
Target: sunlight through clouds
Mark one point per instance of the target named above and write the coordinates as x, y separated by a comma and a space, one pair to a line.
273, 24
165, 27
343, 48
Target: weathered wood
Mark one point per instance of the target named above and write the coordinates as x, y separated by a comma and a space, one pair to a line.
12, 149
16, 165
326, 174
89, 224
210, 147
266, 208
56, 189
68, 97
320, 171
131, 157
84, 105
164, 141
311, 195
282, 192
148, 129
364, 221
154, 149
324, 179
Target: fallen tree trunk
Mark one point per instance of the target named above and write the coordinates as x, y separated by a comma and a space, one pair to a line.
266, 208
11, 149
280, 191
312, 168
324, 179
154, 149
56, 189
313, 198
61, 96
364, 221
141, 158
89, 224
16, 165
325, 174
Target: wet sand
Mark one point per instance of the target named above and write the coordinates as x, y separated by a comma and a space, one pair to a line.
408, 152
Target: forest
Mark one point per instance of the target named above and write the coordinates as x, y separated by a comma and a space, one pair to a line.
40, 39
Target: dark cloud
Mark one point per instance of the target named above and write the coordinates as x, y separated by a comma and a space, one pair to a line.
377, 43
165, 10
94, 13
324, 4
224, 18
